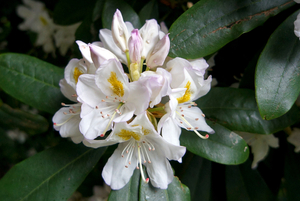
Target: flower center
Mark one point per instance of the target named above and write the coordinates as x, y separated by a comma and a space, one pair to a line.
116, 85
43, 20
76, 74
126, 135
187, 95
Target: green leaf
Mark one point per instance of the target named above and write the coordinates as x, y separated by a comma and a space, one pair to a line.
128, 13
53, 174
97, 12
198, 177
31, 81
137, 189
224, 146
69, 12
236, 109
30, 123
210, 24
277, 80
149, 11
83, 32
243, 183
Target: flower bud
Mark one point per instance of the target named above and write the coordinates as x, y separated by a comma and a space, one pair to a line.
99, 55
119, 31
135, 45
159, 53
149, 33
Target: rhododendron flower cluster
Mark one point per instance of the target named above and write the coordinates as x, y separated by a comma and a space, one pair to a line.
127, 94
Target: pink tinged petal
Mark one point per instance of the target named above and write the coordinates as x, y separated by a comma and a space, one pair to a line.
88, 92
85, 51
139, 97
119, 31
67, 90
149, 34
194, 117
100, 55
164, 28
135, 45
199, 65
115, 174
112, 80
108, 43
159, 53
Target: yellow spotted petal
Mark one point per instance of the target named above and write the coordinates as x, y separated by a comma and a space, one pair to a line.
126, 135
187, 95
116, 85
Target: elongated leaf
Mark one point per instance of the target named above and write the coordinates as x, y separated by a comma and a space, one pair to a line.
31, 81
211, 24
31, 123
53, 174
243, 183
236, 109
69, 12
128, 13
137, 189
277, 80
224, 146
149, 11
198, 178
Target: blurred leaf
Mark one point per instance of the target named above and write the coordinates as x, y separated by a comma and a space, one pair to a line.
211, 24
277, 76
224, 146
236, 109
137, 189
128, 13
83, 32
198, 178
97, 12
69, 12
149, 11
292, 174
30, 123
243, 183
53, 174
31, 81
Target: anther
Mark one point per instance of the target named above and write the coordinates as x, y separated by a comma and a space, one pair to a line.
74, 95
63, 104
197, 119
149, 161
97, 107
196, 128
126, 166
147, 180
203, 115
103, 100
102, 135
189, 128
182, 115
189, 106
64, 113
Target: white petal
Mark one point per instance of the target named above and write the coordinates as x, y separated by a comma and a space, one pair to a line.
67, 90
139, 97
171, 131
114, 172
99, 55
260, 150
85, 51
97, 143
72, 72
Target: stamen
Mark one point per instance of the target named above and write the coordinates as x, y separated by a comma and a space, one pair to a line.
201, 136
203, 115
148, 158
112, 118
142, 172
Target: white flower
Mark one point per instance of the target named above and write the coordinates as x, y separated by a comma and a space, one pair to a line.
17, 135
109, 97
100, 193
64, 37
259, 145
37, 20
294, 139
188, 84
139, 144
297, 1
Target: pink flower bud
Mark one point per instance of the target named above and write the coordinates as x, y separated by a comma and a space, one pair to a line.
100, 55
135, 46
159, 53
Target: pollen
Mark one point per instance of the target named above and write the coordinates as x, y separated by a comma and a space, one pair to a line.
76, 74
43, 20
126, 135
116, 85
187, 95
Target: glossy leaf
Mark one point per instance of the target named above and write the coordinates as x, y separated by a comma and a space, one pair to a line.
97, 12
197, 177
210, 24
277, 77
149, 11
224, 146
137, 189
236, 109
128, 13
53, 174
69, 12
31, 81
16, 118
243, 183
